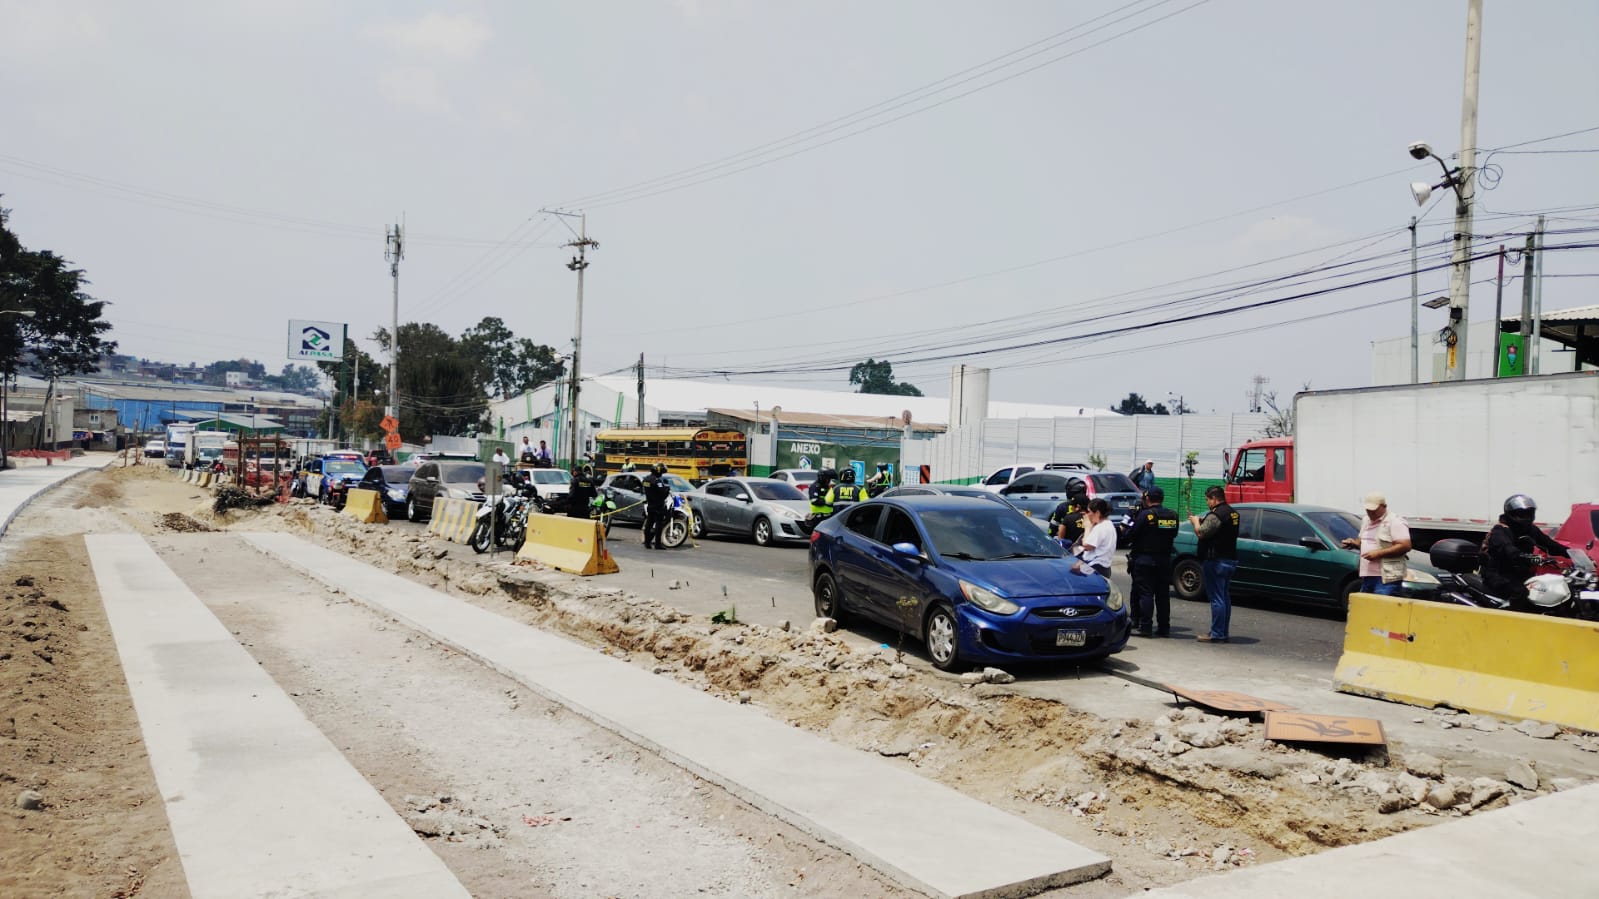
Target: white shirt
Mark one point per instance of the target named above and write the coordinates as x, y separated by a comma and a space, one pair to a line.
1102, 537
500, 458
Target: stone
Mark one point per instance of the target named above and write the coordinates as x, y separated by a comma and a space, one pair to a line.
898, 670
1238, 760
1309, 777
1158, 847
1343, 771
674, 584
1423, 765
998, 676
1442, 796
972, 677
743, 697
1085, 800
1411, 787
1201, 734
1522, 775
1562, 784
1540, 730
30, 800
1374, 783
1236, 727
1486, 725
824, 626
1221, 855
1163, 721
1388, 803
1485, 790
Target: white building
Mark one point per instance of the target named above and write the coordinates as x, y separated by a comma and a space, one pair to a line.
1390, 358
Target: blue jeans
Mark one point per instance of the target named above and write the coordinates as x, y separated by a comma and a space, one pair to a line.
1375, 585
1218, 588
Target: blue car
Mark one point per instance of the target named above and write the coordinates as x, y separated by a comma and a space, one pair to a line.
393, 483
976, 580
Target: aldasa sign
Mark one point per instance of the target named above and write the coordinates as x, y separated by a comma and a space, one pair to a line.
316, 341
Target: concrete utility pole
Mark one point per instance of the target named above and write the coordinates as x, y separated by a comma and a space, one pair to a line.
641, 390
1460, 271
394, 251
1415, 311
578, 264
1537, 302
1499, 307
1526, 297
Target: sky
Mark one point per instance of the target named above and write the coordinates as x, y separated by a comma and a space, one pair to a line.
781, 190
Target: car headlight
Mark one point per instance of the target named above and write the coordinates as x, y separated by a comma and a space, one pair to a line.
988, 599
1115, 599
397, 496
1415, 576
458, 493
789, 513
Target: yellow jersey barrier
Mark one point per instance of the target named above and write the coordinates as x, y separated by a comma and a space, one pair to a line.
453, 519
205, 479
574, 545
365, 506
1481, 660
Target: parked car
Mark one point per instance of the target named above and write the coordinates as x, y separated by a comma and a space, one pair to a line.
155, 449
1005, 476
393, 484
801, 478
339, 473
627, 488
984, 583
1292, 551
551, 482
1038, 493
442, 480
972, 491
767, 510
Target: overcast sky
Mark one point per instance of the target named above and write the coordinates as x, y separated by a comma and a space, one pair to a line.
218, 168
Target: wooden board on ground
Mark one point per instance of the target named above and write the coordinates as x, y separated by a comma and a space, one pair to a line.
1226, 700
1299, 727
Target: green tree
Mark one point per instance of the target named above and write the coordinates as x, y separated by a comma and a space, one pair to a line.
439, 388
1135, 404
875, 376
503, 364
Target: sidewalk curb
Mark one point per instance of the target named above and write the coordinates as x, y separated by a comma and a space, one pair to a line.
6, 525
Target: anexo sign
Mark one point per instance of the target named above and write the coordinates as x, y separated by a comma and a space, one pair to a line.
316, 341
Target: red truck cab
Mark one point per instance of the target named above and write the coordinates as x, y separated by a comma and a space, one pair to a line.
1262, 472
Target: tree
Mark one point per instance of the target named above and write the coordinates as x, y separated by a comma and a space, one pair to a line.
505, 365
1279, 420
349, 403
439, 389
878, 377
1135, 404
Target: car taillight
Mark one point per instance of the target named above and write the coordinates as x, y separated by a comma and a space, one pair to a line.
814, 534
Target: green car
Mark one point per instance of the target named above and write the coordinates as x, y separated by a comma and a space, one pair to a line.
1292, 551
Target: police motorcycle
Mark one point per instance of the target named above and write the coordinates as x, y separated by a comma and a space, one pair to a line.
679, 522
502, 519
1569, 589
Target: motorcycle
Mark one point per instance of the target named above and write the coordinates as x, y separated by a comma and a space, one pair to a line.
503, 519
679, 522
1569, 590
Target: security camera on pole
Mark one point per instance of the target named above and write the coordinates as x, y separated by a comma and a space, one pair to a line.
1463, 179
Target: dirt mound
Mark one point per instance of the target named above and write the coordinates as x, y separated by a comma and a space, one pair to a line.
98, 494
177, 521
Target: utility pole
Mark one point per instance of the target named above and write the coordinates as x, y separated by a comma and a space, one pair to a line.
578, 264
1415, 347
1537, 302
1460, 271
1499, 308
394, 251
641, 390
1526, 297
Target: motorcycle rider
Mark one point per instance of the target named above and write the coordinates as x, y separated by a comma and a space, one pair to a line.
656, 492
846, 492
880, 481
584, 488
1505, 566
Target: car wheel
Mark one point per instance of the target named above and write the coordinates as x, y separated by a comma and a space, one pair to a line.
1344, 592
763, 532
699, 526
943, 641
829, 598
412, 513
1188, 580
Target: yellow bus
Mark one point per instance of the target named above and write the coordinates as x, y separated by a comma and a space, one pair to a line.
697, 454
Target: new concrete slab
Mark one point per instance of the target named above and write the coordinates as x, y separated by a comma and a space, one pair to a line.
1532, 850
260, 803
921, 833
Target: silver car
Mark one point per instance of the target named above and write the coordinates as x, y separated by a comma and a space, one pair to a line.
766, 509
801, 478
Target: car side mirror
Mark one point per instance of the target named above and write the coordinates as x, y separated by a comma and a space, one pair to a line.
743, 497
1311, 543
907, 549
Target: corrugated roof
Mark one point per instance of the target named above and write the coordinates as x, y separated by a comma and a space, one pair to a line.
823, 420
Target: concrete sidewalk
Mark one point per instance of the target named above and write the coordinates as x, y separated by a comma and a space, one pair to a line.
1532, 850
922, 834
260, 803
19, 486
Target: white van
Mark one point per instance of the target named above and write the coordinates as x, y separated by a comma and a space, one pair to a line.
1002, 478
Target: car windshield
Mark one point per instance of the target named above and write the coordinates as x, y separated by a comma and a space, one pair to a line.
1338, 525
776, 490
989, 532
343, 466
1112, 483
397, 474
679, 485
551, 476
461, 474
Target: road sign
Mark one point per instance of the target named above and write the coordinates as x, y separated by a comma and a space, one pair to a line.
1226, 700
389, 424
1300, 727
392, 441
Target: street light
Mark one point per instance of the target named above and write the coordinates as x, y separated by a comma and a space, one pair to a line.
1421, 190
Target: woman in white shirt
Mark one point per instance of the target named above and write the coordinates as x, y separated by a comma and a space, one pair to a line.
1097, 546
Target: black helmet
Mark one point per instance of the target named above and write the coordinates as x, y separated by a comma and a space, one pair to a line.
826, 474
1521, 507
660, 468
847, 476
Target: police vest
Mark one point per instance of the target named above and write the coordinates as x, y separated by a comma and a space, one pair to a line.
1223, 544
1155, 528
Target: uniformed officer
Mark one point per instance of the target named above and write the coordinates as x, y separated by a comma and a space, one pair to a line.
1149, 543
656, 492
846, 492
1066, 522
821, 488
585, 486
880, 481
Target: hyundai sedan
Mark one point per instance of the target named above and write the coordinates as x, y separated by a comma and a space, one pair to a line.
975, 580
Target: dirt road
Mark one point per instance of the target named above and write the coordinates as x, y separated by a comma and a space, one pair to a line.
521, 798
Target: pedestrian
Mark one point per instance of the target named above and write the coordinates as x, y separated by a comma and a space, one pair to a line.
502, 460
1066, 522
527, 455
657, 490
1144, 477
1097, 547
1505, 566
1149, 561
542, 458
1218, 555
1384, 542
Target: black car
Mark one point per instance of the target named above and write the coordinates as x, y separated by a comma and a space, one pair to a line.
442, 480
393, 483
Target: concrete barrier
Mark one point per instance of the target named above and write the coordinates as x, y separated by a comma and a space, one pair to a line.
205, 479
188, 476
365, 506
453, 519
575, 545
1480, 660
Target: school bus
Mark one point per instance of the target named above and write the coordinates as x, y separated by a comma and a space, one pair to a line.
697, 454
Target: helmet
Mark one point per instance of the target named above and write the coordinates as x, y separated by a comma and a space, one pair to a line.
847, 476
1521, 507
660, 468
826, 474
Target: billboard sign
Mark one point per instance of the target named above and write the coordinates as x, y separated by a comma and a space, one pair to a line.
311, 341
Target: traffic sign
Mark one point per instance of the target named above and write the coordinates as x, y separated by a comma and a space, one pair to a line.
392, 441
389, 424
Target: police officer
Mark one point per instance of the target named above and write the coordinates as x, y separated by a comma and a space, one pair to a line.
584, 488
846, 492
880, 481
821, 505
1066, 522
1218, 554
1149, 558
656, 492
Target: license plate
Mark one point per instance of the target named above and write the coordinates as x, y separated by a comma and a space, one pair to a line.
1071, 638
